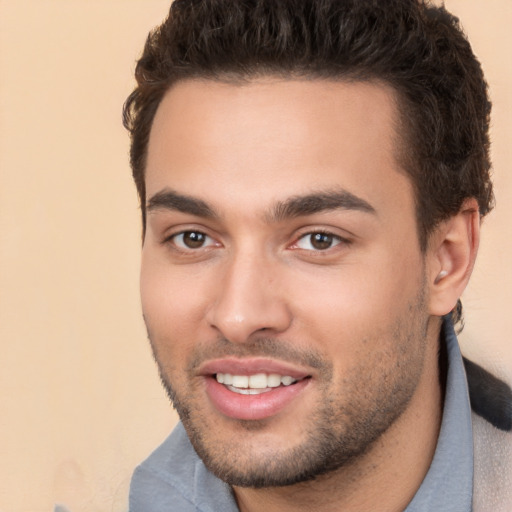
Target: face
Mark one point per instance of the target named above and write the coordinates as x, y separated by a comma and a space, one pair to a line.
282, 281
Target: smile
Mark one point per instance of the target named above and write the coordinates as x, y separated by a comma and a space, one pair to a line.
253, 384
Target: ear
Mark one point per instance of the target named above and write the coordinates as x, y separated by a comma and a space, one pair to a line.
451, 256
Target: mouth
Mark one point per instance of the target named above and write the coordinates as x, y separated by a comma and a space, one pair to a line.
253, 389
254, 384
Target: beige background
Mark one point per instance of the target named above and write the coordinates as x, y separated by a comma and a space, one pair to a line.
80, 401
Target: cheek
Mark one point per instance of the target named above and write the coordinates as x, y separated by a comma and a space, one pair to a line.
172, 303
359, 302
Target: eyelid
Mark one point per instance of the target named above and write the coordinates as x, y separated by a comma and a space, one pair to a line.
170, 239
207, 241
340, 240
334, 241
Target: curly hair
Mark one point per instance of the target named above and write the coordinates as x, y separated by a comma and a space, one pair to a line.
417, 48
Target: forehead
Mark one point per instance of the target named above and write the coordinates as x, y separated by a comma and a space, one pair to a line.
270, 139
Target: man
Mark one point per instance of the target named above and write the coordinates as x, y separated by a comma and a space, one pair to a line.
312, 176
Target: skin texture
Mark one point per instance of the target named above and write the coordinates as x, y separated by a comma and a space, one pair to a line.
230, 271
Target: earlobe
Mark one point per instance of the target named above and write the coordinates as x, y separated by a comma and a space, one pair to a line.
452, 252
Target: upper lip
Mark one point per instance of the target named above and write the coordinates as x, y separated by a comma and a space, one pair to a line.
251, 366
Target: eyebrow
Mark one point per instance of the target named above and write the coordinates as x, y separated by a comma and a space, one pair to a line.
296, 206
171, 200
309, 204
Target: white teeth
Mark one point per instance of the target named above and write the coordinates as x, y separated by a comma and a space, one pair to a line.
248, 391
257, 381
273, 380
286, 381
240, 381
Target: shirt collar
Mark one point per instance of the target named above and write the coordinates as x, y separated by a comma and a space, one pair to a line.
448, 484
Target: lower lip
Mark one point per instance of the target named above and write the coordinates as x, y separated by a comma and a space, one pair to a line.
252, 407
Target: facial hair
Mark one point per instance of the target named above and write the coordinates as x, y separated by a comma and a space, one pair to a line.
354, 411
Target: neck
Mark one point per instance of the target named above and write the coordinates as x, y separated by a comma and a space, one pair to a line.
386, 477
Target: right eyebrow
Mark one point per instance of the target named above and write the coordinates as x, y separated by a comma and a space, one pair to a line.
170, 200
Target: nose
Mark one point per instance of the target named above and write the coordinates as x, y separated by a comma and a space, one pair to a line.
250, 299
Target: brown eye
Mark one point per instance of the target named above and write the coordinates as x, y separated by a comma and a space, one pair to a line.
318, 241
321, 241
192, 240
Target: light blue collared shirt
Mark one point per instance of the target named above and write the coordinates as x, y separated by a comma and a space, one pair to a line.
173, 478
448, 485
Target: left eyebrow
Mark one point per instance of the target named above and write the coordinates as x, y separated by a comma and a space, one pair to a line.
309, 204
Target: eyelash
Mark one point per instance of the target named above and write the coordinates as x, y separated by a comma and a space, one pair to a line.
199, 234
334, 241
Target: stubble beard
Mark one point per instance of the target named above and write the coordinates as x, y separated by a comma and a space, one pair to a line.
340, 431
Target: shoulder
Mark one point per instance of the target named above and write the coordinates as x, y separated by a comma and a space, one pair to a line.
160, 482
174, 478
491, 401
